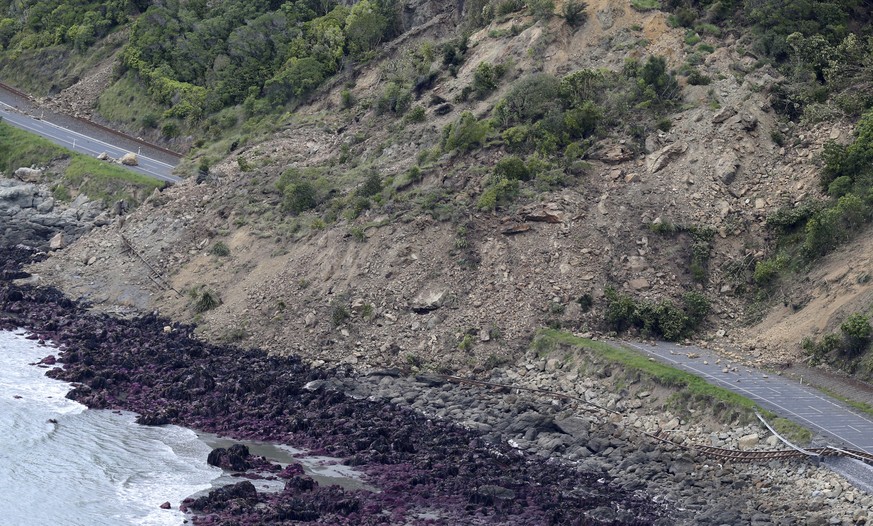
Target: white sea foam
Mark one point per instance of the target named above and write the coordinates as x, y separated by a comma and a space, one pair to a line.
91, 467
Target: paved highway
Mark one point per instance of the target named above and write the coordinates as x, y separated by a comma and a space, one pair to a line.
82, 143
789, 399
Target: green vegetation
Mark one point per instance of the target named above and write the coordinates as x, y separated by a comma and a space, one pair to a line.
814, 228
486, 78
793, 432
298, 192
575, 12
97, 179
645, 5
193, 59
204, 299
846, 349
660, 319
220, 249
339, 314
693, 386
465, 134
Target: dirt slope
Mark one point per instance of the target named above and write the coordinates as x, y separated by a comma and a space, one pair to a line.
404, 284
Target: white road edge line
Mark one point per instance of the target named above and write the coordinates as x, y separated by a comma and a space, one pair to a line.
98, 141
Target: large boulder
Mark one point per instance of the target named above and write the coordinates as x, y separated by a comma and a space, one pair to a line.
129, 159
57, 241
662, 157
428, 299
727, 167
28, 175
15, 194
748, 441
234, 458
573, 426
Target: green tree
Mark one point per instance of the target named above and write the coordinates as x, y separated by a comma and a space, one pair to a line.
529, 99
298, 77
465, 134
365, 27
856, 332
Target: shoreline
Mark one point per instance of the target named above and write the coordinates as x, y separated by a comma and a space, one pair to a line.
439, 453
426, 468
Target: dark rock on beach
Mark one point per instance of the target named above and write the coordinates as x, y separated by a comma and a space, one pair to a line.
235, 458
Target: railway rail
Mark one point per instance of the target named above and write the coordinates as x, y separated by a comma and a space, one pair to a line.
734, 455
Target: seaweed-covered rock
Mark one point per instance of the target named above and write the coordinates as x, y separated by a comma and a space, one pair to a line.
235, 457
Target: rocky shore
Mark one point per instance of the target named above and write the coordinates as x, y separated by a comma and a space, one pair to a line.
30, 214
439, 453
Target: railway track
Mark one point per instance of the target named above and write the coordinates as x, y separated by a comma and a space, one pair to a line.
734, 455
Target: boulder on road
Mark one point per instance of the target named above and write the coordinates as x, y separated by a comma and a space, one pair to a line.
129, 159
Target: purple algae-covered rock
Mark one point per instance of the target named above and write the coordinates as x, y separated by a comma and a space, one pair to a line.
225, 496
234, 458
291, 470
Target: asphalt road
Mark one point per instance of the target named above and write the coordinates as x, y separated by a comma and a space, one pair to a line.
787, 398
82, 143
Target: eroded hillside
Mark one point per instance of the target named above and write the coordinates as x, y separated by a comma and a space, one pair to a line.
418, 270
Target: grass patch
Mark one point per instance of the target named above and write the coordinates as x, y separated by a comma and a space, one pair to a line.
19, 148
97, 179
860, 406
664, 375
101, 180
127, 102
792, 431
645, 5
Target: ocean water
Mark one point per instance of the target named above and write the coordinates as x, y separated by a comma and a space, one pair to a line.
91, 467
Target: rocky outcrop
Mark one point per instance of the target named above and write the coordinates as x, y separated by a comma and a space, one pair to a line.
29, 215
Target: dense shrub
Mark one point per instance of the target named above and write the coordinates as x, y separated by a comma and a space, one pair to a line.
835, 225
396, 99
486, 77
205, 300
499, 193
512, 168
298, 195
842, 348
372, 185
529, 99
575, 12
541, 9
655, 318
220, 249
545, 114
856, 332
768, 270
465, 134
